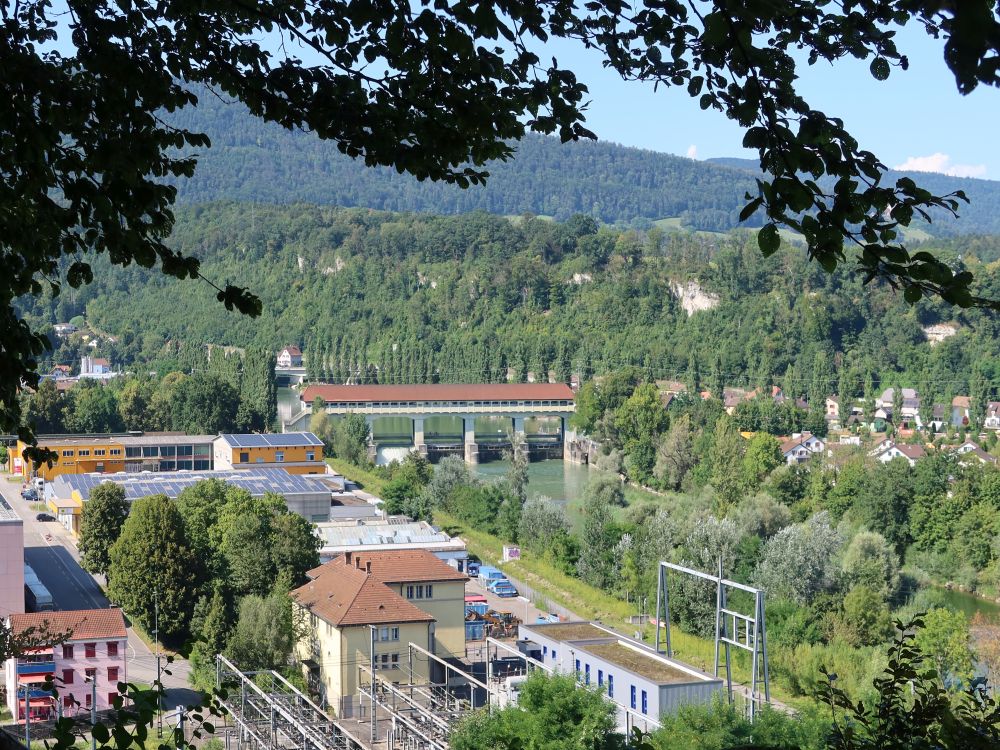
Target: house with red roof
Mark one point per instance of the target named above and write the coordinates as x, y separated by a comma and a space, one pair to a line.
290, 356
83, 652
377, 603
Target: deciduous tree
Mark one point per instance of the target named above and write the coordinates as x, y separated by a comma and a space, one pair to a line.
101, 522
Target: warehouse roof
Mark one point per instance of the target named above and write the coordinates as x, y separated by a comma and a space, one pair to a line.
439, 392
171, 483
272, 440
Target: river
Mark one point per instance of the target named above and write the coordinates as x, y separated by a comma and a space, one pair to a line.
559, 480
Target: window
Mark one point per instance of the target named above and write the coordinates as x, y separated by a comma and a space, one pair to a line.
84, 452
91, 673
577, 666
259, 460
89, 701
99, 468
116, 451
554, 654
395, 661
67, 677
185, 450
394, 634
67, 651
168, 450
244, 458
67, 454
200, 465
645, 702
420, 592
384, 634
409, 592
545, 651
586, 674
113, 648
600, 676
632, 697
111, 698
133, 451
112, 674
611, 686
90, 650
279, 457
310, 455
67, 701
429, 591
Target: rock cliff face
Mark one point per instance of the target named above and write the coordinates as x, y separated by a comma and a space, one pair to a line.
693, 298
937, 333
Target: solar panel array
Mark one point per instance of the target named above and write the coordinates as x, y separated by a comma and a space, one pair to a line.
356, 536
272, 440
171, 483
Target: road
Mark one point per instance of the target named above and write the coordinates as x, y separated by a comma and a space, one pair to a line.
51, 552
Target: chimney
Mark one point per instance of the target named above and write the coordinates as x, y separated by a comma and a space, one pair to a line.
368, 567
347, 557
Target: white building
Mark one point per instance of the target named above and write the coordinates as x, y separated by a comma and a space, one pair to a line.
801, 447
912, 453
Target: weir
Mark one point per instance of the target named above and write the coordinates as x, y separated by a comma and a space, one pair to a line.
474, 420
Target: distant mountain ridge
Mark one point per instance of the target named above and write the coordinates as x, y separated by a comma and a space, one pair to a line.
261, 162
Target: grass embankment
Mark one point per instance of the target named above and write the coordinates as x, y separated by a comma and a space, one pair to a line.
367, 480
591, 603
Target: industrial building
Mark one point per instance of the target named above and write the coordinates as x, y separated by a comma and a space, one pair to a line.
295, 452
304, 495
376, 534
633, 675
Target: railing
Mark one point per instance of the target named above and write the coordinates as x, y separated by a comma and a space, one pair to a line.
39, 667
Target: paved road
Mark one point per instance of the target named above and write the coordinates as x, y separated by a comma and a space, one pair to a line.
51, 552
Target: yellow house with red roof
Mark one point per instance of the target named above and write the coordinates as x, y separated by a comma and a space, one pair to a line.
397, 598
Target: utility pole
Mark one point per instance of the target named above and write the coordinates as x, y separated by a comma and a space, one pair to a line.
93, 711
374, 706
27, 716
159, 685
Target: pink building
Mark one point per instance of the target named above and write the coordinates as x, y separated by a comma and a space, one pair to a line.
11, 561
95, 652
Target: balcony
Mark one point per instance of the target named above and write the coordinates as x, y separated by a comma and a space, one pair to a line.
37, 667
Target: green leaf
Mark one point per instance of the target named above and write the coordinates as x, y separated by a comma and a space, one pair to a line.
880, 68
912, 294
769, 240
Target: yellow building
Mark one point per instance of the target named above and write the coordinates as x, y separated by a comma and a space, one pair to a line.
295, 452
406, 596
74, 455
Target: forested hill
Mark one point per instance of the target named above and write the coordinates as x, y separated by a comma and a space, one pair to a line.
253, 161
451, 298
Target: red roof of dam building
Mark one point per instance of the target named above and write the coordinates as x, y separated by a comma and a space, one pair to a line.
440, 392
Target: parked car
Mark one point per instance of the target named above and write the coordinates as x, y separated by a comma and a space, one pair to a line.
30, 495
44, 517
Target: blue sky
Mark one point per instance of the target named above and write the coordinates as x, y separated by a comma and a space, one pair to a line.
915, 119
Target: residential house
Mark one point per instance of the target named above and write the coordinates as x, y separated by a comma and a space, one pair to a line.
831, 411
61, 371
86, 662
295, 452
910, 411
290, 356
64, 329
960, 411
360, 604
912, 453
992, 421
970, 450
801, 447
